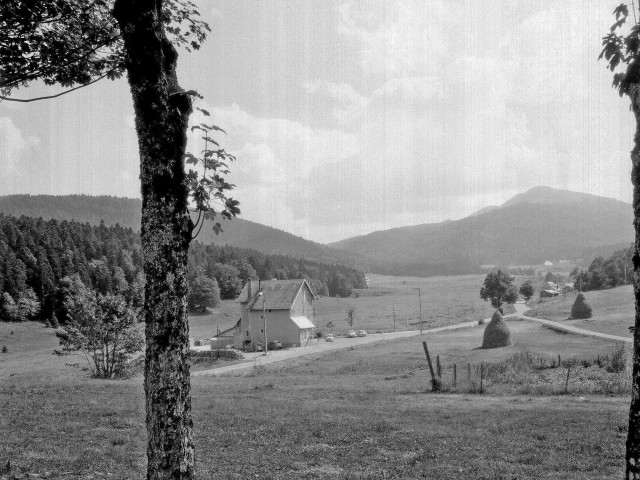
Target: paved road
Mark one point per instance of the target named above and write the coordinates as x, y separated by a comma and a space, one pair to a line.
521, 308
259, 358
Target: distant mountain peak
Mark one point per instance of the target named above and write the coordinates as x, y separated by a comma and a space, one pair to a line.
539, 224
543, 195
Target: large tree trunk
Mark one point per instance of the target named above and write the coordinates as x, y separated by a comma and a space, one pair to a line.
162, 111
633, 437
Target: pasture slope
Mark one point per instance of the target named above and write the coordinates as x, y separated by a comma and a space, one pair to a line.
360, 413
613, 310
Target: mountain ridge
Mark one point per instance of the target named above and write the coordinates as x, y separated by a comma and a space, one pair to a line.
540, 224
126, 212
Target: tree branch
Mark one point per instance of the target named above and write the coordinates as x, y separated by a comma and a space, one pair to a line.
198, 232
48, 97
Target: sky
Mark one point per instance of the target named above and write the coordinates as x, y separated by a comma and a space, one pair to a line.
348, 117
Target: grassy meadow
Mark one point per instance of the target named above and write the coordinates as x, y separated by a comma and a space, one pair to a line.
445, 301
360, 413
613, 310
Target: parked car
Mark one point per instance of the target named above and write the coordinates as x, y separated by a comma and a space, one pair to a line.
352, 334
361, 333
274, 345
329, 338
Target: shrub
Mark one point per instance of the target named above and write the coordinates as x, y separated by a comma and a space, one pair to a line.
103, 327
527, 290
5, 349
618, 360
351, 316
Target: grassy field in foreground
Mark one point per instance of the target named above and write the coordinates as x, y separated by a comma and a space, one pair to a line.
310, 428
364, 413
613, 310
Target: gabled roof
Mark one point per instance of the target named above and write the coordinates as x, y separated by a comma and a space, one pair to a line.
278, 294
551, 286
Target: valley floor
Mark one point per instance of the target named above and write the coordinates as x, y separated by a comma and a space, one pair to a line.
364, 412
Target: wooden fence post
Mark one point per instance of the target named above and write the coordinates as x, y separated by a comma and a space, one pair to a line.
455, 375
439, 367
481, 377
566, 384
469, 371
435, 383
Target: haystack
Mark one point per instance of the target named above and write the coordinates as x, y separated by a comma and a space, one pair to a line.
581, 308
496, 334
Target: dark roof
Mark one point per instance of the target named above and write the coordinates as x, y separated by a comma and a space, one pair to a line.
278, 294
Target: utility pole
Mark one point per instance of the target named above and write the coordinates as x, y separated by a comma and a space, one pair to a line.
264, 324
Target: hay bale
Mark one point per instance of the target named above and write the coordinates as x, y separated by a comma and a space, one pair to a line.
581, 308
496, 334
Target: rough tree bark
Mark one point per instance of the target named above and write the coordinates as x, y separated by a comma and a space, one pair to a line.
162, 111
633, 437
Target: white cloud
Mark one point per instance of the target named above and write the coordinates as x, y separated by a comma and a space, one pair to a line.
348, 103
397, 37
13, 145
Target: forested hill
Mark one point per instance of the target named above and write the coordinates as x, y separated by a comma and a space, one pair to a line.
81, 208
41, 261
125, 212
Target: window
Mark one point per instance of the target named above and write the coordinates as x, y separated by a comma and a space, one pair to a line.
247, 333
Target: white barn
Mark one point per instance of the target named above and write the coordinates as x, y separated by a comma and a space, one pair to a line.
288, 306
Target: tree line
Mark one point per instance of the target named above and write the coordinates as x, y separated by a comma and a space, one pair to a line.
605, 273
43, 263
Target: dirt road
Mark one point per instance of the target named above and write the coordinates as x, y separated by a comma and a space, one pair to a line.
521, 308
258, 358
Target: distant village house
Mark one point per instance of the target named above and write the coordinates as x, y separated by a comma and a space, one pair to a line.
288, 307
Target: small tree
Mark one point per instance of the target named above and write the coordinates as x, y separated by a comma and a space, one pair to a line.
527, 290
28, 305
9, 309
351, 316
103, 327
203, 292
498, 287
330, 326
